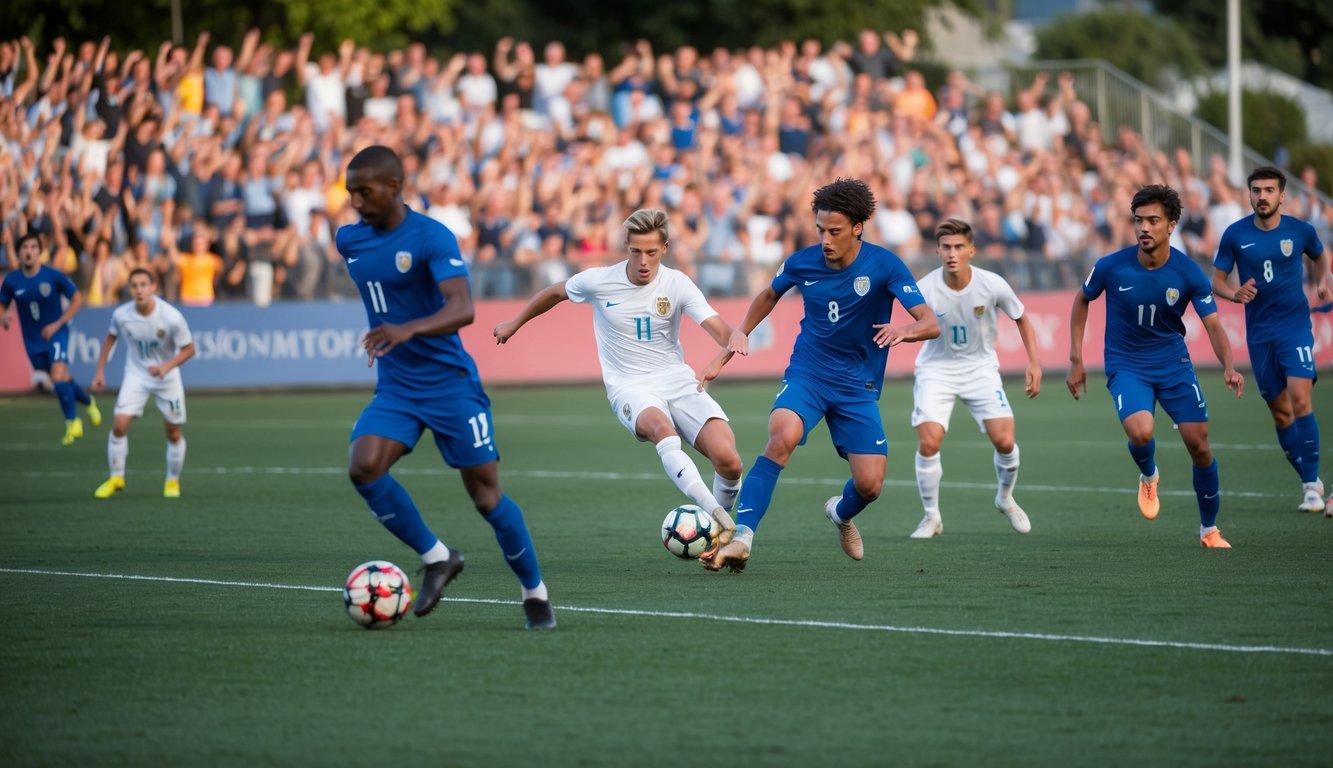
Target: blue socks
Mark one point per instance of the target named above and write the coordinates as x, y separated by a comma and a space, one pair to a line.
851, 503
1307, 447
81, 397
65, 394
1289, 440
515, 542
757, 492
1143, 456
1207, 489
393, 507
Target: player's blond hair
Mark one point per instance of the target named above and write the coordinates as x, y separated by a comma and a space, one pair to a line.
645, 221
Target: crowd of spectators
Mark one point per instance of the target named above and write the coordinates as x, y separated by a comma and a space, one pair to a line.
222, 168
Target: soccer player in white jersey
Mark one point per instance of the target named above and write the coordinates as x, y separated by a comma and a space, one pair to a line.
637, 307
158, 342
961, 364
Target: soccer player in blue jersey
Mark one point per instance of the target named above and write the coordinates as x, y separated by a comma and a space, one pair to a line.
837, 364
1265, 252
415, 287
1147, 288
40, 292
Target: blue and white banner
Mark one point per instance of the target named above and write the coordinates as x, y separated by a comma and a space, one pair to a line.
244, 346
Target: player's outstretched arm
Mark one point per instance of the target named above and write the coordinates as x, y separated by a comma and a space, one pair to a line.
543, 302
1077, 380
721, 333
1032, 379
1217, 336
99, 378
760, 308
924, 327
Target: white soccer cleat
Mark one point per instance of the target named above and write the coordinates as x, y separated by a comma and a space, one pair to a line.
929, 527
1017, 517
1314, 497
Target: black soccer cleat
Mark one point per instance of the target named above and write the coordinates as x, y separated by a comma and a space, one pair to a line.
539, 613
437, 577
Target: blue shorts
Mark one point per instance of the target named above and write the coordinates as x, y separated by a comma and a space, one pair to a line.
1177, 390
460, 420
44, 354
853, 423
1273, 362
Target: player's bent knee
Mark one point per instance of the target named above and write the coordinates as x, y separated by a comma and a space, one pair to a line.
868, 489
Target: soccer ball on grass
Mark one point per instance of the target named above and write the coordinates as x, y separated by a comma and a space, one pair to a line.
688, 531
377, 594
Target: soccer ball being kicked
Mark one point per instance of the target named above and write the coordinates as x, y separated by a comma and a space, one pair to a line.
377, 594
688, 531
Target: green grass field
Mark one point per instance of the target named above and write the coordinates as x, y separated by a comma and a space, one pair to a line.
209, 630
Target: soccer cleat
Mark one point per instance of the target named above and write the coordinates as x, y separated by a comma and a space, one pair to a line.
539, 613
726, 527
848, 536
73, 431
732, 556
1017, 517
929, 527
171, 489
1314, 497
1149, 504
94, 413
108, 489
437, 577
1213, 540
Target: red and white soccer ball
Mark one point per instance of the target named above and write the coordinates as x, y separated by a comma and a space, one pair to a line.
377, 594
688, 531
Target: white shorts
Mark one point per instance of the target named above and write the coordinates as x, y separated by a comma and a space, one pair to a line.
677, 396
136, 389
983, 394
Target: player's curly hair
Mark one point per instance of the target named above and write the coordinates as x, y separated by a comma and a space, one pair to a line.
850, 197
1167, 197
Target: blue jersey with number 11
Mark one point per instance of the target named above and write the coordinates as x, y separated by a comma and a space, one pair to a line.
398, 272
1145, 331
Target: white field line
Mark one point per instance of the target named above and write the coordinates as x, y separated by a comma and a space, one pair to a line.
811, 624
642, 476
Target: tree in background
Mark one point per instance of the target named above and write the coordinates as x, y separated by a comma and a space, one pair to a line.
1149, 48
1295, 36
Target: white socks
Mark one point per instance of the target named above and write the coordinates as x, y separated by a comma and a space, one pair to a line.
538, 592
117, 450
725, 491
436, 554
929, 470
1006, 472
175, 458
684, 474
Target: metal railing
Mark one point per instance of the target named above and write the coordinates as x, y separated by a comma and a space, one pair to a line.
1117, 99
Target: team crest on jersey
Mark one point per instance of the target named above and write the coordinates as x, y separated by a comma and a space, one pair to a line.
663, 306
861, 285
44, 289
1286, 247
978, 311
161, 333
1171, 296
403, 260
